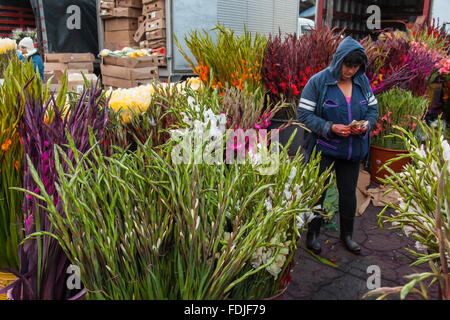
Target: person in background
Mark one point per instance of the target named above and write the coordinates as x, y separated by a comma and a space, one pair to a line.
331, 102
26, 47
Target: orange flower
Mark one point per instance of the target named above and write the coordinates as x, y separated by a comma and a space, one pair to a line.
46, 120
6, 145
16, 164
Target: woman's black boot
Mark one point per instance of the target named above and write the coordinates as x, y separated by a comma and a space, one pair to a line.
312, 236
346, 235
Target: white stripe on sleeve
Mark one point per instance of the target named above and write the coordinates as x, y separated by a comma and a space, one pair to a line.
307, 107
373, 102
308, 102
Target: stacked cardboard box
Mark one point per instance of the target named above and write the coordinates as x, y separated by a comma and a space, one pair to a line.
129, 72
73, 64
151, 33
121, 22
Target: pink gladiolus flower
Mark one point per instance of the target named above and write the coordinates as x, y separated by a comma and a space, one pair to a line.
28, 221
46, 143
257, 126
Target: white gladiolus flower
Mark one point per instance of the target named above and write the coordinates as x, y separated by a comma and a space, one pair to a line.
300, 222
435, 168
298, 191
420, 152
408, 230
268, 204
292, 174
445, 149
287, 194
420, 247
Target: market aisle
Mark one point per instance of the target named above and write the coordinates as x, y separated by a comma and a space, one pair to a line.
313, 280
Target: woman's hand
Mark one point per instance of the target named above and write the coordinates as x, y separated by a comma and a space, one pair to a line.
357, 131
341, 130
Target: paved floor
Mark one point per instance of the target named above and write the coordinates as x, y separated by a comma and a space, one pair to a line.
313, 280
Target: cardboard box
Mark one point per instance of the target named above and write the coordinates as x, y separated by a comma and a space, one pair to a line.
77, 78
147, 1
119, 36
121, 24
130, 3
69, 57
155, 34
153, 6
154, 15
127, 12
141, 62
162, 61
140, 32
156, 44
75, 82
52, 66
107, 5
129, 73
106, 13
155, 24
122, 83
53, 76
81, 66
112, 45
73, 76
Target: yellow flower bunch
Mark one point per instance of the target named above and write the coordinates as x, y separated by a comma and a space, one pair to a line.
134, 101
126, 52
7, 45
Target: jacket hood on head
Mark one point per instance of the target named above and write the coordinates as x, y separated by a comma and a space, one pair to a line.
345, 47
30, 53
26, 42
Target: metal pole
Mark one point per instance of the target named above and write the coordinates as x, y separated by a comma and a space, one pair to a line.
319, 13
329, 18
426, 10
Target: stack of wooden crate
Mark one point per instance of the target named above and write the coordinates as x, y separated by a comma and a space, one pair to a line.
73, 64
127, 72
121, 22
151, 33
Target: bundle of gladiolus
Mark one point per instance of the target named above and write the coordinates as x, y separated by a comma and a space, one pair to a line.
7, 50
233, 60
132, 102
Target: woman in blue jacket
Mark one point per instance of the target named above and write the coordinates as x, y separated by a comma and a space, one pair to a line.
330, 101
28, 51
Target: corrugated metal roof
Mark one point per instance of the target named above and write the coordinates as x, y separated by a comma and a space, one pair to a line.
263, 16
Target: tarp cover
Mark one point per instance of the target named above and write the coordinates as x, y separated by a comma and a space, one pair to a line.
71, 26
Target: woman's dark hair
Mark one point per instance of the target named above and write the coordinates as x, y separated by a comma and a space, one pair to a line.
355, 58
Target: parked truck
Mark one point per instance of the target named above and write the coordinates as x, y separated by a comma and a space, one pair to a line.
182, 16
359, 17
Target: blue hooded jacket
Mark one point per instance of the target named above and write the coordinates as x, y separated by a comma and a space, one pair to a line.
323, 104
37, 62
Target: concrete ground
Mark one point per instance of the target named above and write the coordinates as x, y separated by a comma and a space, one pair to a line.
314, 280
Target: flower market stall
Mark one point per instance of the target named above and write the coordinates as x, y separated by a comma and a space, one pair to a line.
92, 179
